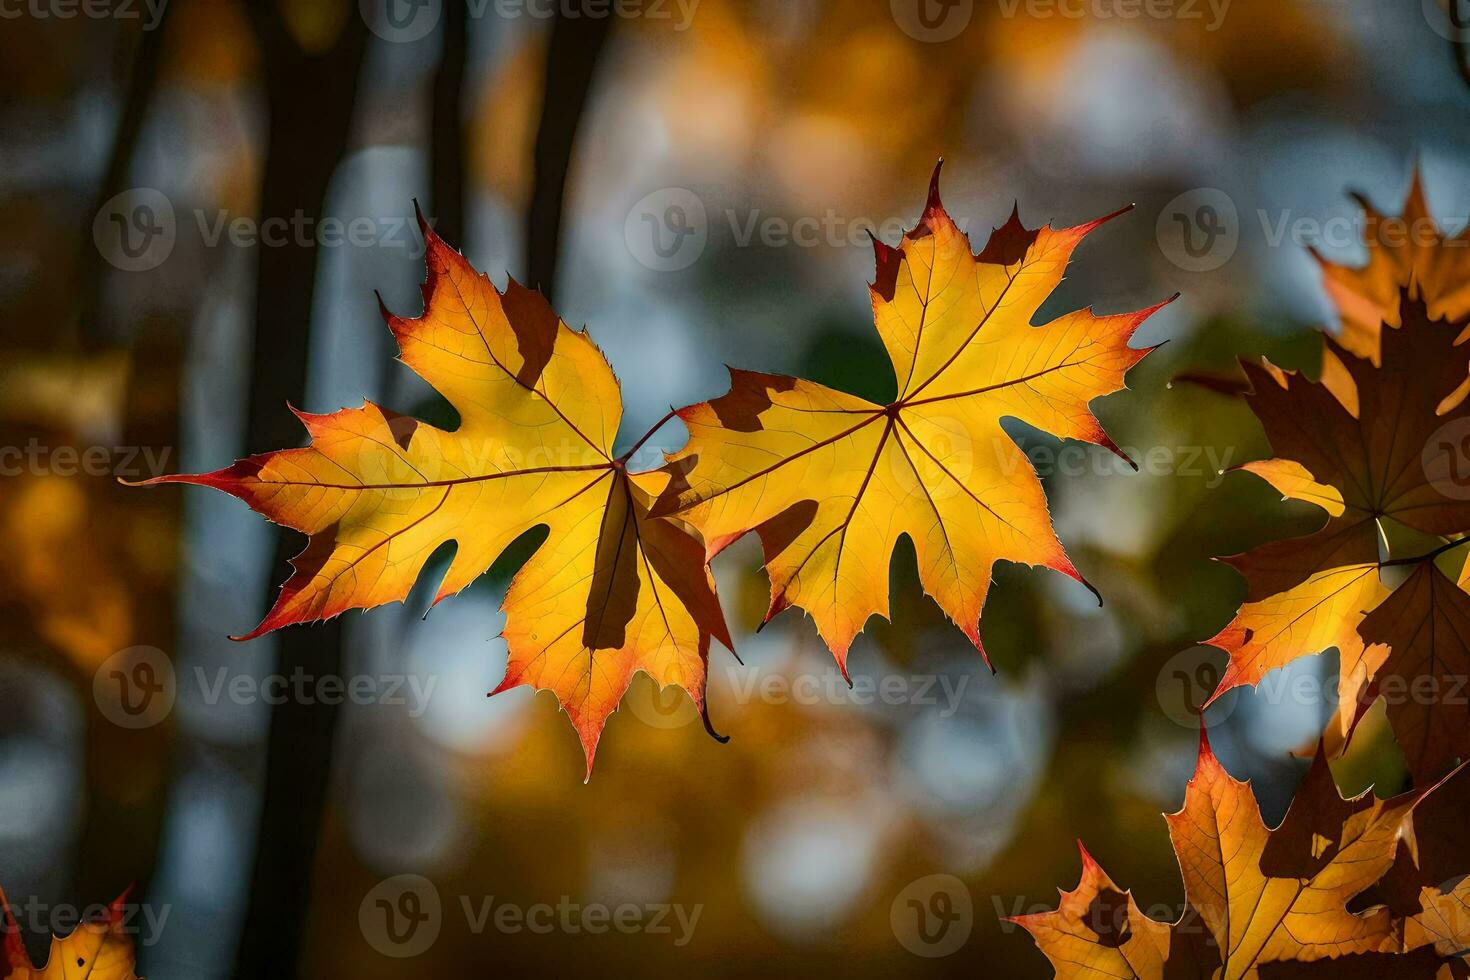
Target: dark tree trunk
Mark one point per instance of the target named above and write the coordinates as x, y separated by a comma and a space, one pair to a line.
142, 83
571, 62
310, 100
447, 130
119, 760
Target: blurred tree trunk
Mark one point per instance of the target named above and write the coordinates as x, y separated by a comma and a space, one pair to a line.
127, 769
142, 83
571, 62
447, 130
310, 98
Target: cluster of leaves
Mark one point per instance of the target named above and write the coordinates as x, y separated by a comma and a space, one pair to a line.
829, 481
100, 950
1342, 888
1378, 444
1279, 903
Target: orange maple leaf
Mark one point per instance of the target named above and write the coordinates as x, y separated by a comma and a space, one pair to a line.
610, 591
100, 950
1405, 252
830, 481
1258, 901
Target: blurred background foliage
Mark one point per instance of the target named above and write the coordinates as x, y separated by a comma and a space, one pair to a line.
533, 142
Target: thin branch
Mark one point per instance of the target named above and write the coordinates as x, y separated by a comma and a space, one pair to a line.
1426, 557
647, 435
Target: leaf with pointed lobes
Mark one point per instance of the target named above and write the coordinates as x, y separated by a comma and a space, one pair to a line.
830, 481
1362, 460
1408, 252
1424, 633
1259, 902
95, 950
609, 592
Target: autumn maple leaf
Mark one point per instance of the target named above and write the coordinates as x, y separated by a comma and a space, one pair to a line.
830, 481
1366, 461
99, 950
610, 591
1405, 252
1257, 900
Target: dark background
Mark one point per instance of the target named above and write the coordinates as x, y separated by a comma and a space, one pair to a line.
155, 319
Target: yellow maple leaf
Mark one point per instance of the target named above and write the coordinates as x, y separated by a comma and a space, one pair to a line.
100, 950
1254, 896
830, 481
610, 591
